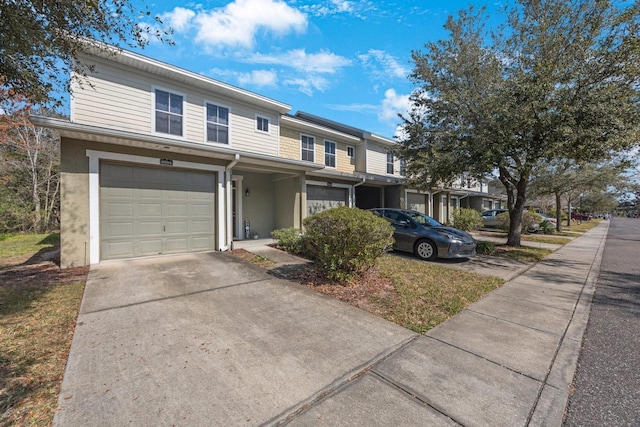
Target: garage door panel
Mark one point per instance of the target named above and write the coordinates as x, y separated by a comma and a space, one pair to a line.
113, 250
149, 228
148, 247
202, 226
152, 210
176, 210
149, 210
176, 227
120, 209
201, 243
119, 229
176, 245
201, 210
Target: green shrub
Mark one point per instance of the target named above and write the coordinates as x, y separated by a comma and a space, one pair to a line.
547, 228
291, 239
346, 241
485, 248
467, 219
529, 219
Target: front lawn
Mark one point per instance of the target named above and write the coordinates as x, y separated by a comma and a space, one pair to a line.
39, 305
412, 293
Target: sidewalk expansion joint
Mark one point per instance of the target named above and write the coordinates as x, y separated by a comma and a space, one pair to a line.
415, 396
170, 297
289, 415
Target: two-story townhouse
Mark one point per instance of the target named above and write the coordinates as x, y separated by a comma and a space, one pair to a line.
156, 159
368, 160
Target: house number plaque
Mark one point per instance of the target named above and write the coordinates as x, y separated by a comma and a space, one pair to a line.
167, 162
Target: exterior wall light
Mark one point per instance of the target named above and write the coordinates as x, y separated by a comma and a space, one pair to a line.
246, 192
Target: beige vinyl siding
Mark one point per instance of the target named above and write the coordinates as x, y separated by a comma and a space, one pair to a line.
376, 159
344, 163
290, 143
291, 148
122, 98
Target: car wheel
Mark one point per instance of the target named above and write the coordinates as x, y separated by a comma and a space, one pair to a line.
424, 249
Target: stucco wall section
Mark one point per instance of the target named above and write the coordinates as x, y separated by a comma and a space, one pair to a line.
74, 204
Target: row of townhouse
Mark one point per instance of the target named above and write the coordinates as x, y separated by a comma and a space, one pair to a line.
158, 160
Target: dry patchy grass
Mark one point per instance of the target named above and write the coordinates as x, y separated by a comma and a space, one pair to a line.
39, 305
412, 293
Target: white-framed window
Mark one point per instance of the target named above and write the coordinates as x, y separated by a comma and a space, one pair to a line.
217, 123
262, 124
390, 162
307, 144
330, 154
351, 151
168, 112
403, 167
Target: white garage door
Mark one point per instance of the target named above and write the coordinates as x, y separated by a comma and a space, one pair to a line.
149, 211
322, 198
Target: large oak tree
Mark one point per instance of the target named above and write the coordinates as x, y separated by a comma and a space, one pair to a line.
559, 80
39, 40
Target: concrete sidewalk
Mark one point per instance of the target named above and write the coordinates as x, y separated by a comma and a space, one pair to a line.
203, 339
507, 360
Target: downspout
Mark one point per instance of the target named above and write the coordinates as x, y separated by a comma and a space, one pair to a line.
364, 179
229, 209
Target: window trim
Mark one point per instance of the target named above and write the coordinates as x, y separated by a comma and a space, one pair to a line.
154, 90
391, 164
269, 124
205, 137
334, 154
313, 150
353, 151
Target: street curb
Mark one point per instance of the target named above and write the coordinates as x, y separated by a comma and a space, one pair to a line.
552, 401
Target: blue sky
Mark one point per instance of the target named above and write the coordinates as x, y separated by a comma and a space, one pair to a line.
347, 61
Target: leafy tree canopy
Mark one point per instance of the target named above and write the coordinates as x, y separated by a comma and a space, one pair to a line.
39, 40
561, 79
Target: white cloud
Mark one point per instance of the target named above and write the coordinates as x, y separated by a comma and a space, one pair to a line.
392, 105
308, 84
261, 78
237, 24
382, 66
322, 62
179, 18
359, 8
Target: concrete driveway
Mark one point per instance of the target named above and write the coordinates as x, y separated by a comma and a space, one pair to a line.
206, 339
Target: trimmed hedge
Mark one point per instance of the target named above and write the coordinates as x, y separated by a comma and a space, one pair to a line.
346, 241
466, 219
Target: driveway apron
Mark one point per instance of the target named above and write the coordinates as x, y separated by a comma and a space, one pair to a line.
206, 339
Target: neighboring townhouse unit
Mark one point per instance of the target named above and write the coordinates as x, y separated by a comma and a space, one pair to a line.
156, 159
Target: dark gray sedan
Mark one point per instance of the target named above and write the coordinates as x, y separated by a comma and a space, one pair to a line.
426, 237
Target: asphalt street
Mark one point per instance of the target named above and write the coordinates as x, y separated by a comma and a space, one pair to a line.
607, 380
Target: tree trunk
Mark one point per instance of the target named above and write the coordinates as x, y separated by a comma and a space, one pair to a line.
558, 213
516, 198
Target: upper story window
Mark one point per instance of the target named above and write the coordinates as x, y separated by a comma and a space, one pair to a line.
390, 162
217, 124
169, 113
262, 124
403, 167
330, 154
307, 143
351, 151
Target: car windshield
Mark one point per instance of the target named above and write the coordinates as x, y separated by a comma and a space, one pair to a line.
423, 219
